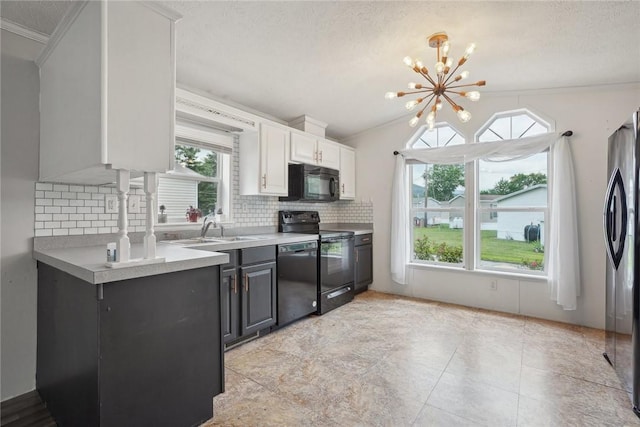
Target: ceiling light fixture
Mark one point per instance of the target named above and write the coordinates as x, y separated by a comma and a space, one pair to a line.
441, 85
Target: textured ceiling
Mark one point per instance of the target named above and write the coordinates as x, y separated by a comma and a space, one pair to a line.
41, 16
335, 60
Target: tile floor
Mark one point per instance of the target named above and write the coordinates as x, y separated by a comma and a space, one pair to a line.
390, 361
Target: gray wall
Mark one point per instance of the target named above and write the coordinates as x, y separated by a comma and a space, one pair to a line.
19, 171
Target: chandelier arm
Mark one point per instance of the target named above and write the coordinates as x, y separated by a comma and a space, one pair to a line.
452, 73
468, 84
419, 91
453, 104
426, 105
427, 76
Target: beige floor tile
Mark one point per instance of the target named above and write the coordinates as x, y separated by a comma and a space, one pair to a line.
475, 401
430, 416
538, 413
385, 360
572, 394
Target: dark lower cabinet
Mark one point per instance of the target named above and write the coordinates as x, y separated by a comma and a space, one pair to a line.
259, 310
363, 262
136, 352
248, 293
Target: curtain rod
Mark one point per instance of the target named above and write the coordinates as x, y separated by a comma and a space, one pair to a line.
566, 133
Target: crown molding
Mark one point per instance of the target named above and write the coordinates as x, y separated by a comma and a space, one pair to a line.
23, 31
60, 31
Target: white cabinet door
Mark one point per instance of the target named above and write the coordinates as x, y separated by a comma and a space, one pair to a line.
347, 174
274, 143
329, 154
303, 148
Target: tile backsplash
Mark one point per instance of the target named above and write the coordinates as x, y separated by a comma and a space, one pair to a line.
71, 210
66, 210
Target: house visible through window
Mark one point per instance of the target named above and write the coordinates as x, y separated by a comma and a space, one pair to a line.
194, 185
507, 226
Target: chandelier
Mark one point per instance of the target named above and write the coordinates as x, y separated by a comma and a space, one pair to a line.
439, 86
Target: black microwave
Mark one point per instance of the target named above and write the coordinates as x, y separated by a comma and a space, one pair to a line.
309, 183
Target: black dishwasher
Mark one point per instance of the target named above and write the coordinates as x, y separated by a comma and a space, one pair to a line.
297, 281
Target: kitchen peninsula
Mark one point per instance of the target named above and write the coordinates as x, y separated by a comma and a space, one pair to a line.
136, 345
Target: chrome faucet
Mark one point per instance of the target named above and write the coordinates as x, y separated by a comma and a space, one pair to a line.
206, 223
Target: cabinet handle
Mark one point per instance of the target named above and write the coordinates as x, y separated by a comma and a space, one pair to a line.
357, 257
264, 181
366, 239
315, 156
342, 188
235, 283
246, 282
320, 155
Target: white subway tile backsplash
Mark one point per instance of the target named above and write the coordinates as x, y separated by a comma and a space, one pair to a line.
44, 202
68, 224
97, 210
39, 224
76, 232
84, 196
92, 203
41, 233
52, 194
44, 217
76, 217
76, 202
39, 194
69, 210
60, 202
61, 217
90, 189
84, 224
77, 188
68, 195
44, 186
105, 190
83, 210
60, 187
97, 223
61, 232
39, 209
104, 230
52, 224
91, 230
97, 196
91, 217
52, 209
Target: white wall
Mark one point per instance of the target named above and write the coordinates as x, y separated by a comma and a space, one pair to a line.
20, 145
593, 114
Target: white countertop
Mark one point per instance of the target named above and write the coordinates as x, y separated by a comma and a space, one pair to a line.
89, 262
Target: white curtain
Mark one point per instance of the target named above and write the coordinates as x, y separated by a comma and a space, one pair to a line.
399, 223
564, 277
562, 249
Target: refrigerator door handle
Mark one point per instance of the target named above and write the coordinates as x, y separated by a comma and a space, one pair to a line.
610, 218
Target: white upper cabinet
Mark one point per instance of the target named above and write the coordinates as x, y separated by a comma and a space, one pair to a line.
308, 148
303, 148
107, 92
264, 160
347, 173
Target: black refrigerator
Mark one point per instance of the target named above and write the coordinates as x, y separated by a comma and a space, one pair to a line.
622, 240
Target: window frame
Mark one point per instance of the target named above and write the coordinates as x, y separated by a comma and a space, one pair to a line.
222, 179
473, 211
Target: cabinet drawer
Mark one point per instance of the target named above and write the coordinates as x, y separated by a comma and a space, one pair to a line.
233, 259
259, 254
364, 239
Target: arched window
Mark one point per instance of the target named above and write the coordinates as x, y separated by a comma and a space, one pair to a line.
512, 199
437, 195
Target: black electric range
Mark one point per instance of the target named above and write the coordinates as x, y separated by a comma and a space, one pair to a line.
336, 269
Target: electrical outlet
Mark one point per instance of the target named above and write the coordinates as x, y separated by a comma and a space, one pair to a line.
134, 204
494, 285
110, 203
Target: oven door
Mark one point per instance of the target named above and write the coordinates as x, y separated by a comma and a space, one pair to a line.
336, 263
321, 184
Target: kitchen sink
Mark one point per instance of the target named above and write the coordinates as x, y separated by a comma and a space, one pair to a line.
198, 240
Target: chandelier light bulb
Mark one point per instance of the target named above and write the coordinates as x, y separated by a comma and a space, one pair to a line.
473, 95
439, 67
464, 74
431, 117
414, 121
449, 62
430, 125
419, 64
445, 49
464, 115
390, 95
411, 105
438, 105
408, 61
469, 50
